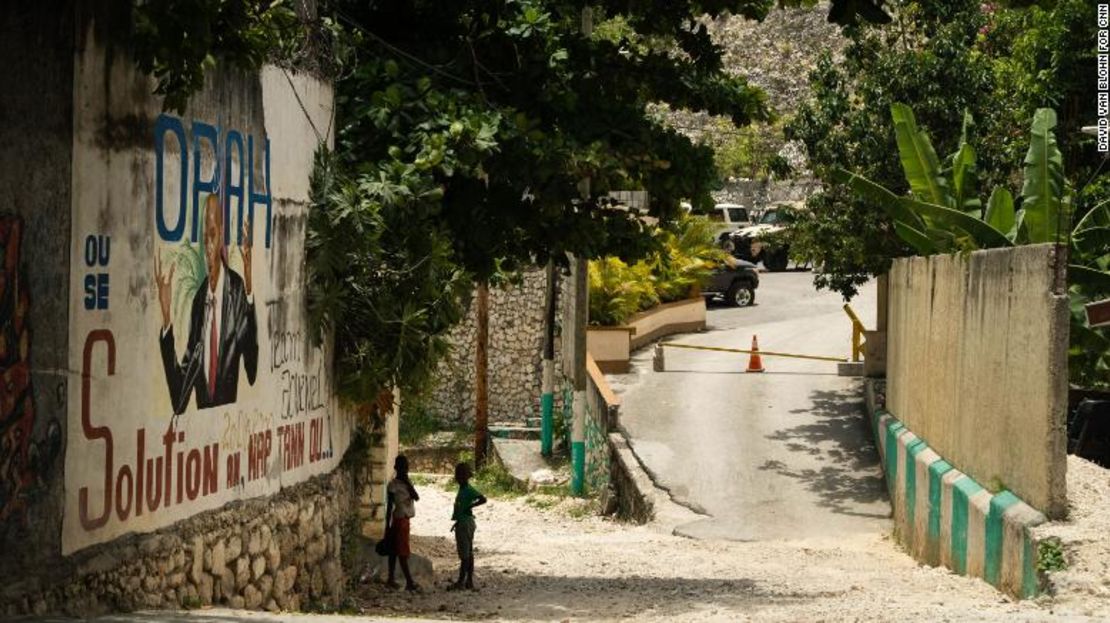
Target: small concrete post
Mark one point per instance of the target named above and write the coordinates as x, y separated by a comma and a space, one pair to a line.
547, 398
578, 445
657, 362
578, 424
547, 406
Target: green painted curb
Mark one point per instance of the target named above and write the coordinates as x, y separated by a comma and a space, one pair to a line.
936, 475
892, 431
992, 560
912, 450
962, 491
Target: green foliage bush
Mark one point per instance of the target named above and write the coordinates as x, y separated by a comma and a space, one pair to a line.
686, 258
617, 290
1050, 556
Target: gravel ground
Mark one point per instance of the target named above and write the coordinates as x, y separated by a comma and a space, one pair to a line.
1084, 586
546, 564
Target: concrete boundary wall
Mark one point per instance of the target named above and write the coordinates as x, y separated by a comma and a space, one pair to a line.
944, 517
977, 365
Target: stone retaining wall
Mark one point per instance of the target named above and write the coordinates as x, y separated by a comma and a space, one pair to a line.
630, 484
515, 357
280, 553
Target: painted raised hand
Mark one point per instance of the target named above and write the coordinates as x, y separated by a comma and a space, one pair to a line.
165, 289
245, 245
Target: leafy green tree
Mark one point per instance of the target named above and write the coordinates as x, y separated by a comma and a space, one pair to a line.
926, 56
386, 292
1043, 57
949, 58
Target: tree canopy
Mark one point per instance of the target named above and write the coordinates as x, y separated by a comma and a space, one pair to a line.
474, 137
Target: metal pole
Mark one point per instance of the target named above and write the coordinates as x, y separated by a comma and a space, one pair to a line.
857, 332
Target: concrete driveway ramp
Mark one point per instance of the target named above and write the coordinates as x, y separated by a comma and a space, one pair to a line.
779, 455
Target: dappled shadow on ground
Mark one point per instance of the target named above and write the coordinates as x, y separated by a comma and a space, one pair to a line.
536, 597
515, 596
837, 437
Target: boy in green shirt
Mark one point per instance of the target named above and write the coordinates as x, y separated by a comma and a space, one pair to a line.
463, 516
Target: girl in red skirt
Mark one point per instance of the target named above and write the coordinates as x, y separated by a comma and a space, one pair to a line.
400, 509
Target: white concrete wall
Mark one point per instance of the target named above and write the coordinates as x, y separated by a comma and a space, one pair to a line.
279, 423
977, 365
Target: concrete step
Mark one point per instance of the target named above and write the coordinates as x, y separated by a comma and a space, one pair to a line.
522, 459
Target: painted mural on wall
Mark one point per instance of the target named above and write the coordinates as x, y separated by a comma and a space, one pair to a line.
27, 455
196, 382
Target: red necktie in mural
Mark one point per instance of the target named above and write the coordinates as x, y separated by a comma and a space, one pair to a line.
212, 353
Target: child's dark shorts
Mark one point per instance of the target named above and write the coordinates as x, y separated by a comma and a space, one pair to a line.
464, 537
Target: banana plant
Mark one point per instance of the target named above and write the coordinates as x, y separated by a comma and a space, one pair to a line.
944, 213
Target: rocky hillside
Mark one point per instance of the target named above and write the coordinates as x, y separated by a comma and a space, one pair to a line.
778, 53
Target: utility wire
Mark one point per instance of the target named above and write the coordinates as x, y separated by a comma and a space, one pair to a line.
402, 53
319, 139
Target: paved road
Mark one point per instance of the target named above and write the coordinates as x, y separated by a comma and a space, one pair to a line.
776, 455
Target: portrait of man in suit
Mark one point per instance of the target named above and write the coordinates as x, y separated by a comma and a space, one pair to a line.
222, 328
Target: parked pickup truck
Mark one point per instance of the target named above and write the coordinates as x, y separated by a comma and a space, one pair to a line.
735, 281
763, 242
728, 218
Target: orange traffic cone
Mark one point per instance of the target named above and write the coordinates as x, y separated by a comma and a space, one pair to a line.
755, 363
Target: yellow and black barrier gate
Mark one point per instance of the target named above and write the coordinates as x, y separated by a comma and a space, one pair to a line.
755, 362
755, 353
